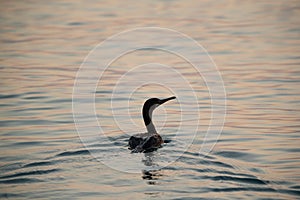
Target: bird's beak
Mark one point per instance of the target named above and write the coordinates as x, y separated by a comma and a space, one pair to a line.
167, 99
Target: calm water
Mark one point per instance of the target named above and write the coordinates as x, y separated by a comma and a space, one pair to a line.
256, 48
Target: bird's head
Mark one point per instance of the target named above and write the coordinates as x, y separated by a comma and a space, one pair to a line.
153, 103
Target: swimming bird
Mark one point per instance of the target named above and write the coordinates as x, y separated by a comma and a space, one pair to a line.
150, 141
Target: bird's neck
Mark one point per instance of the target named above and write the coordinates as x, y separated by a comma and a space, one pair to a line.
151, 128
147, 115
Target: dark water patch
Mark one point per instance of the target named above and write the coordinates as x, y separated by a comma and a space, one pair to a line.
35, 92
73, 153
6, 105
9, 195
38, 164
232, 154
111, 142
107, 144
99, 145
209, 170
121, 99
59, 100
167, 141
119, 137
76, 23
257, 170
10, 41
36, 172
235, 174
254, 189
9, 96
222, 52
35, 97
171, 168
274, 80
190, 198
205, 170
36, 108
295, 187
205, 156
32, 143
238, 189
284, 149
236, 179
291, 192
103, 92
188, 160
109, 15
10, 167
197, 155
119, 143
238, 155
13, 123
216, 163
21, 181
84, 195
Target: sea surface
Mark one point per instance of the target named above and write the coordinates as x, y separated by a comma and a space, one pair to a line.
46, 154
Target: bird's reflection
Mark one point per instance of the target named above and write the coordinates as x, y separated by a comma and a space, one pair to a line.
151, 175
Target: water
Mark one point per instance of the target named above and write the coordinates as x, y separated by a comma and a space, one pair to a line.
256, 49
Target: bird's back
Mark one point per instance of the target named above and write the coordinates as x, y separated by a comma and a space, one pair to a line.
144, 142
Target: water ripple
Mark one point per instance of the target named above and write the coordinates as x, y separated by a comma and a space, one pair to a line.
20, 181
30, 173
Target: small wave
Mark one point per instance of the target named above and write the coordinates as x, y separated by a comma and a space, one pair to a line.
21, 181
35, 97
206, 170
36, 172
73, 153
232, 154
216, 163
254, 189
37, 164
236, 189
76, 23
295, 187
9, 195
236, 179
8, 96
